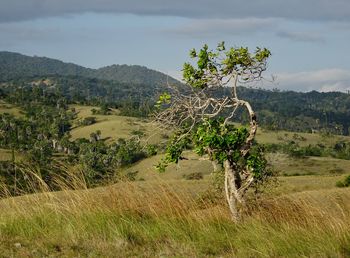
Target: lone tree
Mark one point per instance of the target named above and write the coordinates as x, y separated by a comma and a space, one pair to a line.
202, 110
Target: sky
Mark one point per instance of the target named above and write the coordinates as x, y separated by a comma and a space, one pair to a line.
309, 39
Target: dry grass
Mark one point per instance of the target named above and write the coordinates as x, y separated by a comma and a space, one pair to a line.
165, 216
266, 136
169, 219
146, 168
5, 154
10, 109
288, 166
113, 126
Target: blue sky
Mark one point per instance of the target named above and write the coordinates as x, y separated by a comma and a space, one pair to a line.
308, 39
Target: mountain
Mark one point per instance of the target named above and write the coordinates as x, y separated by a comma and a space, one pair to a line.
16, 66
133, 74
137, 85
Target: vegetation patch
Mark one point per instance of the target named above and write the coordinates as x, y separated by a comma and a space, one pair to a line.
344, 183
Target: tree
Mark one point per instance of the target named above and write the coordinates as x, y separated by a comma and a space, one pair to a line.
202, 111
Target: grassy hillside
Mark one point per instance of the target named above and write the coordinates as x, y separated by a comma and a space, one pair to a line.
168, 219
303, 139
10, 109
302, 214
113, 127
5, 154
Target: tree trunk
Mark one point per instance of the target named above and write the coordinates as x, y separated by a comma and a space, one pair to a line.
232, 186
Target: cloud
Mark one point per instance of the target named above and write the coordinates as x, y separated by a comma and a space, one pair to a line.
324, 80
218, 27
18, 10
301, 36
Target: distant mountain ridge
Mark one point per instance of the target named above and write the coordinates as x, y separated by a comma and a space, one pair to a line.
15, 66
139, 87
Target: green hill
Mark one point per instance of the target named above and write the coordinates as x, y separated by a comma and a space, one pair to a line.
139, 86
15, 66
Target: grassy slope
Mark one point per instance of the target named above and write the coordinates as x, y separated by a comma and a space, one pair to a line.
264, 136
113, 126
163, 216
145, 219
5, 154
8, 108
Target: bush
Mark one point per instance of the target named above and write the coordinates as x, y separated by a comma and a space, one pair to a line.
311, 150
345, 183
151, 150
129, 152
88, 121
139, 133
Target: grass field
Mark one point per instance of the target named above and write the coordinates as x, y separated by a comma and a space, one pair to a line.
303, 139
113, 127
302, 214
10, 109
167, 219
5, 154
287, 166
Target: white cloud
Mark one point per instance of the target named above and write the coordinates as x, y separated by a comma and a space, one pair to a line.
325, 80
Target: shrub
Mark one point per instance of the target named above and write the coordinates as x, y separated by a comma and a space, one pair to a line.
345, 183
151, 150
139, 133
88, 120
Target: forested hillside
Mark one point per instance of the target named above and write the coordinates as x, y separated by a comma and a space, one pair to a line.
80, 89
16, 66
60, 133
296, 111
136, 88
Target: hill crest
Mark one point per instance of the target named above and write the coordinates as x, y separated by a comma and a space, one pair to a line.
15, 65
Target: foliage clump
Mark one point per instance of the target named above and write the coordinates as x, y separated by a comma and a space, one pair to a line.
344, 183
223, 141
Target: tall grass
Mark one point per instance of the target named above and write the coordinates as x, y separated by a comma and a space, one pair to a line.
160, 219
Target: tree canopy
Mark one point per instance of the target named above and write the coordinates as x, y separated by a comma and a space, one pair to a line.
202, 117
